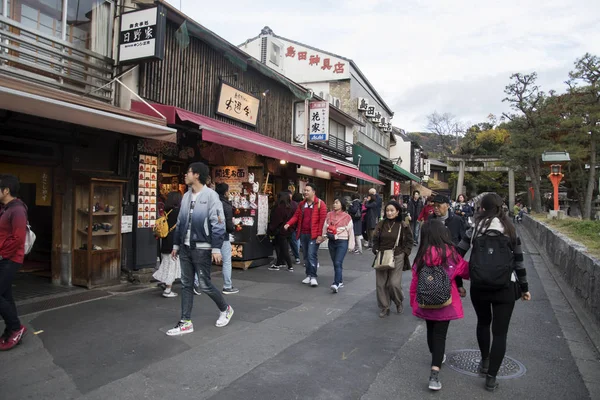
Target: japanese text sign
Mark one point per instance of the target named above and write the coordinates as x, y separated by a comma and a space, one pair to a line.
231, 175
318, 128
318, 61
363, 104
370, 111
141, 35
238, 105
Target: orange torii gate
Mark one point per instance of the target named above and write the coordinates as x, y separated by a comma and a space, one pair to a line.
490, 164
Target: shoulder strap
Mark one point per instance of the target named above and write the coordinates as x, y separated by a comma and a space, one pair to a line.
398, 238
167, 213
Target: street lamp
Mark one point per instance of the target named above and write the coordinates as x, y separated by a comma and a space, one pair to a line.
556, 174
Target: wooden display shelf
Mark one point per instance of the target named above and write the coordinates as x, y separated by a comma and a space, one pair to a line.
98, 213
98, 233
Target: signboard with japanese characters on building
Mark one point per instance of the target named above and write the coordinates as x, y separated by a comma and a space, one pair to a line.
376, 118
363, 104
232, 175
309, 64
318, 121
236, 104
142, 35
370, 111
416, 160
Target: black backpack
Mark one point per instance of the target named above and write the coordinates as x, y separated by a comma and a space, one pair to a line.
434, 289
358, 212
492, 261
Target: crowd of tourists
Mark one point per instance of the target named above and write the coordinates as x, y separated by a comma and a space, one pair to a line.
444, 231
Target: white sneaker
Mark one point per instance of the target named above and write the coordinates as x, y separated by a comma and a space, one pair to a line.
224, 317
313, 282
334, 288
197, 291
170, 293
182, 328
273, 267
306, 280
341, 285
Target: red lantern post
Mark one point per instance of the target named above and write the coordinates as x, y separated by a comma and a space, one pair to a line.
555, 177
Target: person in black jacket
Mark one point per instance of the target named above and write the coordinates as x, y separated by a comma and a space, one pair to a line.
415, 206
456, 224
494, 307
355, 211
280, 214
169, 269
222, 190
373, 205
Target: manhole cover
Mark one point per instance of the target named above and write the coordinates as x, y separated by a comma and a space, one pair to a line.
467, 362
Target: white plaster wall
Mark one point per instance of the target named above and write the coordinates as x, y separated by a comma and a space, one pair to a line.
318, 87
252, 48
402, 149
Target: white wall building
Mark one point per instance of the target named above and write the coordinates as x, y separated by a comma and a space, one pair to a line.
333, 78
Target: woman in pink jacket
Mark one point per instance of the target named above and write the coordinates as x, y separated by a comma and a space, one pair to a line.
434, 295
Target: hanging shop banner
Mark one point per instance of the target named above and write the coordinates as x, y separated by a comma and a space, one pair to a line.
396, 188
142, 35
236, 104
263, 214
318, 121
231, 175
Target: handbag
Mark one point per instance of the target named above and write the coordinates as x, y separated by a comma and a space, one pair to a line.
385, 259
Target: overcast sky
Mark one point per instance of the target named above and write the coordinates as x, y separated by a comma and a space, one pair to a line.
424, 55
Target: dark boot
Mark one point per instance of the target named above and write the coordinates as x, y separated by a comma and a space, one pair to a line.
484, 366
490, 383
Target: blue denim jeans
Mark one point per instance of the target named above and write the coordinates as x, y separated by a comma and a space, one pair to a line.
337, 251
416, 227
226, 253
294, 244
197, 262
309, 251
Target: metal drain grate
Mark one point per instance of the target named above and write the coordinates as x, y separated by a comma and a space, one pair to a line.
49, 304
467, 362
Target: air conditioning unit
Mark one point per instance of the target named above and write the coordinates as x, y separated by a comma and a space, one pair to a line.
334, 101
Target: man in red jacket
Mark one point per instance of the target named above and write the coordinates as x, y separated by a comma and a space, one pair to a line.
13, 228
309, 219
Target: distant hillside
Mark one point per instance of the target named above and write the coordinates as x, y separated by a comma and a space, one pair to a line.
430, 142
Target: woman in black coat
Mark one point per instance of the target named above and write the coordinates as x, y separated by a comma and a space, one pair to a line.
355, 211
169, 269
280, 214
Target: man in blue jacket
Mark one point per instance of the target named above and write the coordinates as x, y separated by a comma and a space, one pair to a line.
198, 240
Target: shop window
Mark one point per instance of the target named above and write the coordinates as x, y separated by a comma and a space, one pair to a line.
337, 130
88, 24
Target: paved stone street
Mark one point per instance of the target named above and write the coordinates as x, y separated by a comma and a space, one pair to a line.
290, 341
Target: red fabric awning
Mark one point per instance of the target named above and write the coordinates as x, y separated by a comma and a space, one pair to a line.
355, 172
239, 138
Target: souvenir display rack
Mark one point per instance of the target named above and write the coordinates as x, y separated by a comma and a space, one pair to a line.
97, 232
250, 245
147, 192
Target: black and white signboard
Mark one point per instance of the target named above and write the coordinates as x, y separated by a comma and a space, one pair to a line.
142, 35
